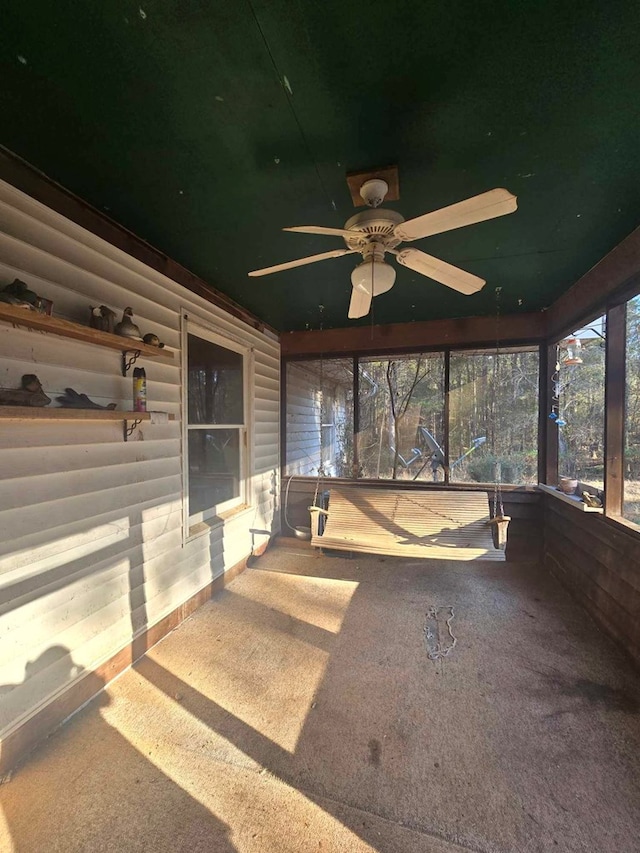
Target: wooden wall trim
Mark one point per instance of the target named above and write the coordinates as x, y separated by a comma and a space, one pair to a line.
431, 334
34, 183
608, 280
29, 733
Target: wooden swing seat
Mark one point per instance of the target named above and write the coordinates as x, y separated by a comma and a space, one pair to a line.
429, 524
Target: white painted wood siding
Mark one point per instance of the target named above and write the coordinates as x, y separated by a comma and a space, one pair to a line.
92, 546
303, 421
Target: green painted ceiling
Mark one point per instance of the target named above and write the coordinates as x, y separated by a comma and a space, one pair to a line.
175, 117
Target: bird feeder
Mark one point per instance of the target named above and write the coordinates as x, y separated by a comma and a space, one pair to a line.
573, 348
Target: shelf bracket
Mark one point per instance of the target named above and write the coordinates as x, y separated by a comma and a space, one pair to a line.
128, 428
128, 362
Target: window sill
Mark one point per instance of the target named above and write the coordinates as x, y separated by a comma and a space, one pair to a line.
574, 500
217, 521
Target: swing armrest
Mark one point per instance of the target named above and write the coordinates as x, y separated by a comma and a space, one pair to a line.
315, 512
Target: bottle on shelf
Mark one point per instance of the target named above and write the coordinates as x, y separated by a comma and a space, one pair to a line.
139, 390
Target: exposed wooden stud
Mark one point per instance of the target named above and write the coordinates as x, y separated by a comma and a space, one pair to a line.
460, 332
614, 410
356, 418
616, 272
386, 173
548, 430
447, 413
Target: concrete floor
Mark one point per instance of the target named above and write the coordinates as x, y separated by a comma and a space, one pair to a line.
299, 711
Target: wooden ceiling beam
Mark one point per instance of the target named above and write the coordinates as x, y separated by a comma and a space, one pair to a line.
613, 279
431, 334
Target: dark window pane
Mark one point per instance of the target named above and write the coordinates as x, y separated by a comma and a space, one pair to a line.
401, 409
493, 430
631, 506
214, 467
320, 418
215, 393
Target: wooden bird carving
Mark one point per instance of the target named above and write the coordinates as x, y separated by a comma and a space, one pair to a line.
102, 318
126, 327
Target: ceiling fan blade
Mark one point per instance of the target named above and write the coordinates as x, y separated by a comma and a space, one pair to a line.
360, 303
300, 262
320, 229
441, 271
488, 205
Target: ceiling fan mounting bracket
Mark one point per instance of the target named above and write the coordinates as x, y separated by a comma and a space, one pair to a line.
388, 174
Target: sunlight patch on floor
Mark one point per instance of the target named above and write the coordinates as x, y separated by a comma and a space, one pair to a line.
320, 601
257, 658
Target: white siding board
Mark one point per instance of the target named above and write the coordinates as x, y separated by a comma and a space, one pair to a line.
92, 548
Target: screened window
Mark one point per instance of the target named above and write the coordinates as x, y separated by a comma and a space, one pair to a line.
493, 416
631, 496
216, 428
319, 428
401, 417
578, 410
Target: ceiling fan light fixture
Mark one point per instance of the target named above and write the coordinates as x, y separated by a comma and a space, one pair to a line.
381, 274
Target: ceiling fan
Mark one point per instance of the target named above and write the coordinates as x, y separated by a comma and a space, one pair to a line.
374, 232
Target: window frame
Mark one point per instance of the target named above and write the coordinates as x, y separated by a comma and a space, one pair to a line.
200, 328
446, 351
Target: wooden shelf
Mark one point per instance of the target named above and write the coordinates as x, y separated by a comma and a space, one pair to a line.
574, 500
43, 413
77, 332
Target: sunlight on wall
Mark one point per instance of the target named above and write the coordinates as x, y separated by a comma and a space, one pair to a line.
53, 553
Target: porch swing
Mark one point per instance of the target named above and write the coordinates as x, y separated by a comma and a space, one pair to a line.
423, 523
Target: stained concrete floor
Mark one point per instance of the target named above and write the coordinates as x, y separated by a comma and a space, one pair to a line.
299, 711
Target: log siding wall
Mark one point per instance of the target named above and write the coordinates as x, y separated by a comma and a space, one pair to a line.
93, 552
599, 563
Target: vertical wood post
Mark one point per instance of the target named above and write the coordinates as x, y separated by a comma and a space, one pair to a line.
548, 460
614, 409
283, 438
447, 373
355, 470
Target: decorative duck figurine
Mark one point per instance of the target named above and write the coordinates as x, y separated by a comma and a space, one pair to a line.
153, 340
102, 318
126, 327
17, 293
73, 400
30, 393
590, 500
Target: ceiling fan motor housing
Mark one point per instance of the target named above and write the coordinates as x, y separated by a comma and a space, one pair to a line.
370, 226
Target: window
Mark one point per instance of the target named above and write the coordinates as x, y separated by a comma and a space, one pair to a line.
578, 409
216, 424
401, 417
493, 416
319, 429
631, 495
